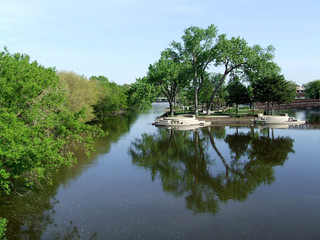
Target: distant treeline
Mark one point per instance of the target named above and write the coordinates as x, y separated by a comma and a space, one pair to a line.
97, 97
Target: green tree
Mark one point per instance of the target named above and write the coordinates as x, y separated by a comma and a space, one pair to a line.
170, 76
235, 55
100, 78
37, 130
202, 47
263, 68
3, 224
313, 89
196, 50
273, 89
112, 101
288, 92
112, 98
209, 84
238, 93
82, 93
141, 94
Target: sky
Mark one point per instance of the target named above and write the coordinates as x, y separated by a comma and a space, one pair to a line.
120, 38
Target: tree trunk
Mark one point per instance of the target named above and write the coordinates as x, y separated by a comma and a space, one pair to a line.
171, 108
237, 108
252, 107
175, 100
170, 100
215, 91
195, 83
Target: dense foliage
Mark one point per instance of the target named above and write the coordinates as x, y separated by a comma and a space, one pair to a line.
3, 224
313, 89
43, 115
81, 93
169, 76
273, 89
97, 96
111, 97
141, 94
238, 93
196, 49
203, 50
37, 129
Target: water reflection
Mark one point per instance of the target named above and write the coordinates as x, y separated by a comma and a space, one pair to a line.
116, 126
30, 216
192, 165
203, 168
311, 116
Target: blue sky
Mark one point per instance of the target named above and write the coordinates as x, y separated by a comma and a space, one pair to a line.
120, 38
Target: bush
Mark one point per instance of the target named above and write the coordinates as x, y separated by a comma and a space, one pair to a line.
3, 224
82, 94
37, 130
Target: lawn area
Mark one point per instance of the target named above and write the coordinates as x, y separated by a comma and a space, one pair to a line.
229, 112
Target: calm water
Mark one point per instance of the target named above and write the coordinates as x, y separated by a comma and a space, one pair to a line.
145, 182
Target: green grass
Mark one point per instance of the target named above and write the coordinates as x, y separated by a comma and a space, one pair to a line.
230, 112
243, 112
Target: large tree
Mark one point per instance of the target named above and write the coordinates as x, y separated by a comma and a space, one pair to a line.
238, 93
112, 98
141, 94
234, 55
196, 49
202, 47
170, 76
313, 89
273, 89
208, 85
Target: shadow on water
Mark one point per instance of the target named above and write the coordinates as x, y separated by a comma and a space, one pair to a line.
29, 216
187, 163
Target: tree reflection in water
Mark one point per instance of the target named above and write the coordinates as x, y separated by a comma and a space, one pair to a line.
29, 217
186, 165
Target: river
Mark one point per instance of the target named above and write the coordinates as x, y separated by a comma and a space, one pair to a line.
217, 182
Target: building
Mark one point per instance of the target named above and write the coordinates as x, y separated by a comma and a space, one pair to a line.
300, 90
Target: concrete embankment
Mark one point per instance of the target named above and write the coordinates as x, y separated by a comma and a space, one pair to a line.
227, 120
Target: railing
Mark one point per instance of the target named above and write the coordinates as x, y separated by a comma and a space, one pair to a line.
294, 104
